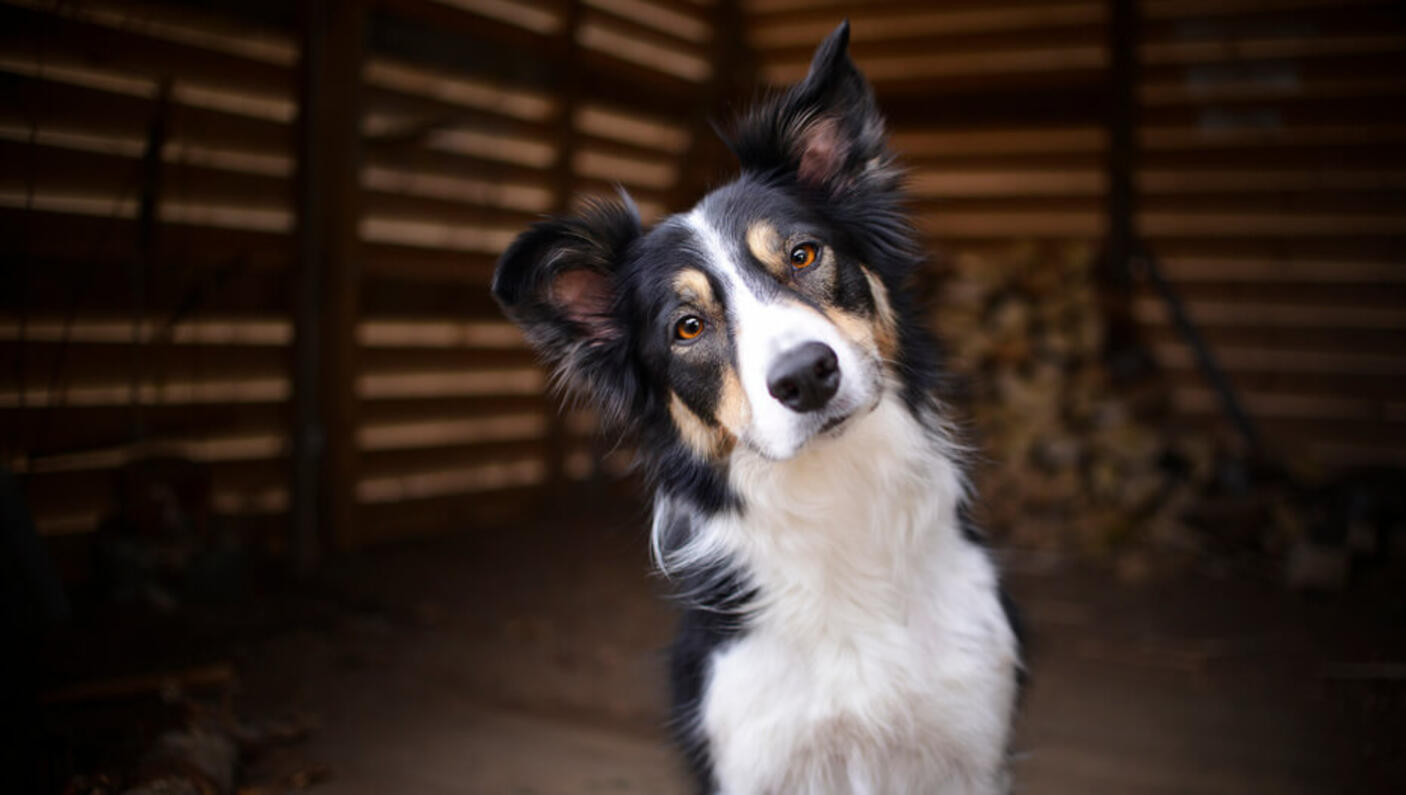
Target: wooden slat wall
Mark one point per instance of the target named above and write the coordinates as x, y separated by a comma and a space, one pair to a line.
115, 349
1270, 181
463, 155
119, 344
1273, 186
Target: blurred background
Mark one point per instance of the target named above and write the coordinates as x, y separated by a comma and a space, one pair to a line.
286, 506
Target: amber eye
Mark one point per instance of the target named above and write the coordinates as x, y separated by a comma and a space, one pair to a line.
688, 328
803, 256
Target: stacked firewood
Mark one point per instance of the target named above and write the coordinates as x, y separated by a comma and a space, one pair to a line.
1066, 462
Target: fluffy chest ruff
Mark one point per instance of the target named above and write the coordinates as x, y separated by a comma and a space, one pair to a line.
873, 654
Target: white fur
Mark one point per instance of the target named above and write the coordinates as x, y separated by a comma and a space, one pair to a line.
764, 329
878, 659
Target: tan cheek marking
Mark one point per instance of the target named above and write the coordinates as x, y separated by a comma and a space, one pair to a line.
692, 285
886, 322
765, 244
705, 440
858, 329
734, 412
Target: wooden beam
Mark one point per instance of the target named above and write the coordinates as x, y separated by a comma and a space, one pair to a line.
329, 280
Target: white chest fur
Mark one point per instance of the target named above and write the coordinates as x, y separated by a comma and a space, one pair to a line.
878, 659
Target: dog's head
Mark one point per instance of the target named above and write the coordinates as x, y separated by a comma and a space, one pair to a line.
763, 317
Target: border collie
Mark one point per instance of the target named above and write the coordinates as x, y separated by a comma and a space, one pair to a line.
843, 630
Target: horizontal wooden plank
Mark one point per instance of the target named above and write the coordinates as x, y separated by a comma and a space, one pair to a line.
917, 142
1339, 455
439, 112
78, 362
437, 210
1384, 248
411, 409
1154, 138
433, 432
441, 333
616, 43
976, 44
1320, 392
1184, 91
390, 262
766, 10
987, 63
1304, 271
1308, 177
63, 170
1367, 296
1249, 224
108, 45
51, 103
1271, 157
1365, 211
1283, 340
1273, 113
410, 155
1191, 400
971, 183
623, 23
456, 40
1214, 9
179, 286
884, 23
41, 430
1303, 314
462, 300
376, 464
1378, 369
689, 20
1039, 99
445, 384
1242, 49
409, 360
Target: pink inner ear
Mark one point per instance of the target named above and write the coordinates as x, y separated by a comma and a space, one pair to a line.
584, 296
823, 152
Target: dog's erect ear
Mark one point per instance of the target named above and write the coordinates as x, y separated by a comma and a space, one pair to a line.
559, 282
825, 130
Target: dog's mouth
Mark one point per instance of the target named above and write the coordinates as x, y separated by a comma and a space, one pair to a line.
833, 423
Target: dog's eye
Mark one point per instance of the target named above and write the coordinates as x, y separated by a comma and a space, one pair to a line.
688, 328
803, 256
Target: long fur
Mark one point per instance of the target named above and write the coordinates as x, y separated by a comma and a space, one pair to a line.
842, 630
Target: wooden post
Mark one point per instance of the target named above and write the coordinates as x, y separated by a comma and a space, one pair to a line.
564, 186
734, 75
328, 280
1126, 359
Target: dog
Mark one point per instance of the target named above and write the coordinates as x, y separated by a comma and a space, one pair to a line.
843, 628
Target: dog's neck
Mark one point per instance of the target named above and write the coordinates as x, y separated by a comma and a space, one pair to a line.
854, 519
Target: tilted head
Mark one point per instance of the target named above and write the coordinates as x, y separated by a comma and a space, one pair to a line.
768, 315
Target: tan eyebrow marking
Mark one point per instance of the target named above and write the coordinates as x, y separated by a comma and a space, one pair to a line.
692, 286
765, 244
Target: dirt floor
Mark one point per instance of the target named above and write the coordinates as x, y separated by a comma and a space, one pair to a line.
530, 662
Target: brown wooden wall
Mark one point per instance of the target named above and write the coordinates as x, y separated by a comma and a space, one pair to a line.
152, 199
152, 202
1270, 182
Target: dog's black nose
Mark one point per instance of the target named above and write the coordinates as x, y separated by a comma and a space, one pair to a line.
804, 378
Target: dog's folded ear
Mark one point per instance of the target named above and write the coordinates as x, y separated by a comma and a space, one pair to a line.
559, 282
826, 131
